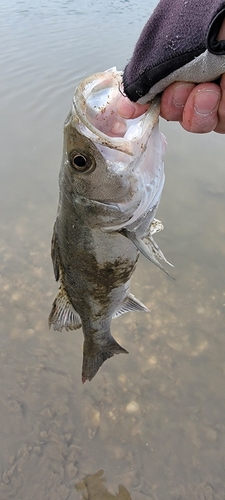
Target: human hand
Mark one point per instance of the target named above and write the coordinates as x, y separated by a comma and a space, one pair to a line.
199, 108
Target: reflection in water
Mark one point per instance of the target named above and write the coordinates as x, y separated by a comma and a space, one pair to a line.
93, 488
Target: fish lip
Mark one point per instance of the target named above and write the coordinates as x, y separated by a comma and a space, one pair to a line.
109, 79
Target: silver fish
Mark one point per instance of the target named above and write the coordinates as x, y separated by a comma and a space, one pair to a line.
110, 184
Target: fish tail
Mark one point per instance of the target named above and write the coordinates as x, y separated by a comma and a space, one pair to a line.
92, 362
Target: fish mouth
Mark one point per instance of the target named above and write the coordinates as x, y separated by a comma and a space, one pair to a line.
133, 149
95, 105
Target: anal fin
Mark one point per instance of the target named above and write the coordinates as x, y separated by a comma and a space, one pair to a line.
63, 314
130, 304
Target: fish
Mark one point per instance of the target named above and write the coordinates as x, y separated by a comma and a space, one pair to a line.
110, 185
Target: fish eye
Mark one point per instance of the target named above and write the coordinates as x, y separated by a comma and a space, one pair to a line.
81, 162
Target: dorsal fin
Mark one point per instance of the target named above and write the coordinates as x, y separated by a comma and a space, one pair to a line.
63, 314
55, 254
130, 304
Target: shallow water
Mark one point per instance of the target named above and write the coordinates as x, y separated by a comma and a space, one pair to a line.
152, 420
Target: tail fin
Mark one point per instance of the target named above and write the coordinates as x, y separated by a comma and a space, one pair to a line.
93, 361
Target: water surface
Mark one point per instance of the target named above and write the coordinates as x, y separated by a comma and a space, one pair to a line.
152, 421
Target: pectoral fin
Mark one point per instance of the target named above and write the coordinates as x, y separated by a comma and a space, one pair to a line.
63, 314
130, 304
156, 226
147, 251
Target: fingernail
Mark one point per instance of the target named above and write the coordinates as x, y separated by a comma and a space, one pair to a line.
206, 101
125, 107
181, 93
119, 129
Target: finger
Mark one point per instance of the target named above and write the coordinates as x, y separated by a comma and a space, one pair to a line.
128, 109
173, 100
220, 128
200, 112
221, 34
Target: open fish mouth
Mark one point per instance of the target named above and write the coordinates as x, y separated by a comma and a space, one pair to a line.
95, 102
135, 148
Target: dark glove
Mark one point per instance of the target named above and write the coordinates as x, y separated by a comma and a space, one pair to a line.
178, 43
